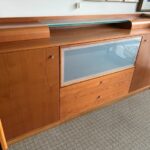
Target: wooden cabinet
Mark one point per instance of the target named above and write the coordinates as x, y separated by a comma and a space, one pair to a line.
97, 63
141, 77
80, 97
29, 90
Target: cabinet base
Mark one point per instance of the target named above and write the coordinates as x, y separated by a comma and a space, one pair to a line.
34, 132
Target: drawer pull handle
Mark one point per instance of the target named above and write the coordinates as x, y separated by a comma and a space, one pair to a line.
51, 57
100, 82
98, 97
145, 40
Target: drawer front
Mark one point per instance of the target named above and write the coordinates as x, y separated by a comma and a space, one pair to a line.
80, 63
80, 97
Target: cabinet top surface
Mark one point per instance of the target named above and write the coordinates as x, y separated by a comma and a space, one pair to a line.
67, 36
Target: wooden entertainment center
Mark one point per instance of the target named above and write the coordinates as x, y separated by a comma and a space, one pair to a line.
55, 68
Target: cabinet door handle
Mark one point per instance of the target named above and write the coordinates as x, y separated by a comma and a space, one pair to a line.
145, 40
51, 57
99, 97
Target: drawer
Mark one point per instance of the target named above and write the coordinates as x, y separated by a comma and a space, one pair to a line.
80, 97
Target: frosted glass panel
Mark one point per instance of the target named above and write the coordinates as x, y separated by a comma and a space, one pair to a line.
87, 61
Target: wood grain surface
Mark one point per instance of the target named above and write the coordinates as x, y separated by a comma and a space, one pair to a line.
80, 97
29, 90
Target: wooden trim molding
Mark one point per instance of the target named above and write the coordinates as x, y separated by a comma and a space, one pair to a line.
31, 39
54, 18
3, 142
18, 33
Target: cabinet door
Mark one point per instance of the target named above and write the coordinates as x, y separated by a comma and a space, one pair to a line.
29, 90
141, 77
80, 63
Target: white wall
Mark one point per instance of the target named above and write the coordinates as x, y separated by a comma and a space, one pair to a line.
19, 8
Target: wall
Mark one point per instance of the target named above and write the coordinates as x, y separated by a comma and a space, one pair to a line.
18, 8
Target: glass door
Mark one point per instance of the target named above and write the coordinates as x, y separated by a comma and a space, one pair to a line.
84, 62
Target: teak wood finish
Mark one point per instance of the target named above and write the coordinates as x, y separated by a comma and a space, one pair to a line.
82, 96
30, 93
8, 34
29, 90
141, 77
42, 19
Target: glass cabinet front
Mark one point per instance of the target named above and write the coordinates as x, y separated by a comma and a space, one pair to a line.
80, 63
